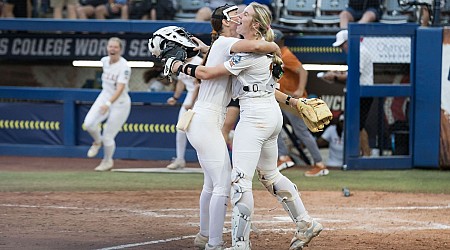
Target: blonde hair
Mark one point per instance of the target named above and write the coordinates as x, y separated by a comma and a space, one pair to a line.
116, 39
264, 18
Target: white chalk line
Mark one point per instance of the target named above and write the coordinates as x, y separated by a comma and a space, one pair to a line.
256, 230
148, 243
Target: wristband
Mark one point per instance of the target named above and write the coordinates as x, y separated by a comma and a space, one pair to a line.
176, 99
179, 69
288, 98
108, 103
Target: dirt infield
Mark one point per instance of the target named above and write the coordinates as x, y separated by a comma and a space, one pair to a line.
169, 219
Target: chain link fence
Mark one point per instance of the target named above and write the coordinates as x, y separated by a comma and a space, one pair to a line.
385, 119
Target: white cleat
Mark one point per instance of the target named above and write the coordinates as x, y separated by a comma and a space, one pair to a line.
93, 150
305, 233
176, 164
200, 241
240, 245
219, 247
105, 165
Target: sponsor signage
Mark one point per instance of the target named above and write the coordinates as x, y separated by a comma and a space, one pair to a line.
388, 49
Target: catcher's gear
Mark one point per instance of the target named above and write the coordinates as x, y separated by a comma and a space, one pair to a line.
171, 36
315, 113
175, 51
168, 66
282, 188
171, 54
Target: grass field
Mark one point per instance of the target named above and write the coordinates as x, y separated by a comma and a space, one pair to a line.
413, 181
60, 203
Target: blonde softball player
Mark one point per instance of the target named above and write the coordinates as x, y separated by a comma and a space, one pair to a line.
190, 84
113, 105
255, 139
204, 132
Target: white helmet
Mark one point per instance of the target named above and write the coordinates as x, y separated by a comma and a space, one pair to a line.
174, 34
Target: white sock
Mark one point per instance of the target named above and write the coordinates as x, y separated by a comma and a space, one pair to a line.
218, 209
205, 199
109, 152
181, 141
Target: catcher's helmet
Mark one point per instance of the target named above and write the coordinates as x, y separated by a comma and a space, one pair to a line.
174, 34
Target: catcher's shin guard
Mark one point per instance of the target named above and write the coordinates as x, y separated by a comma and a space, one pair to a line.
285, 197
240, 227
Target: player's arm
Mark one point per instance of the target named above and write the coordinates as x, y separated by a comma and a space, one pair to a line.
179, 88
285, 99
302, 79
194, 95
252, 46
200, 72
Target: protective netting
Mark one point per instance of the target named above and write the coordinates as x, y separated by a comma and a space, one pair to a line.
385, 119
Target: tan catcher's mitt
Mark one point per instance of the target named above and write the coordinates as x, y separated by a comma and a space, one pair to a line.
315, 113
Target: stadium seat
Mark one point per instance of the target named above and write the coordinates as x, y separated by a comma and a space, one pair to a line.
187, 9
329, 12
298, 12
394, 13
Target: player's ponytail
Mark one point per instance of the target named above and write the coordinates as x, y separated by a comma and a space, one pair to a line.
264, 18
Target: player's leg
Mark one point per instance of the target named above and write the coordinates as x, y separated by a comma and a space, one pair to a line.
214, 159
302, 132
284, 160
286, 192
180, 144
92, 123
201, 239
260, 120
230, 120
118, 114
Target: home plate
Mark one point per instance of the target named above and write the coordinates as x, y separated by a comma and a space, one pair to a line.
160, 170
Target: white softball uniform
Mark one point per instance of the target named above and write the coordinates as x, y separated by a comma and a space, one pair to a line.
255, 145
189, 82
205, 135
113, 74
255, 136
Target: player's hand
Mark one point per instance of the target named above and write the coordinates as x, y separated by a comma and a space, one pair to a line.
202, 47
188, 106
104, 109
172, 101
171, 65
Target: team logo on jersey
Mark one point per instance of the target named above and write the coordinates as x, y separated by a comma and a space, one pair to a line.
235, 60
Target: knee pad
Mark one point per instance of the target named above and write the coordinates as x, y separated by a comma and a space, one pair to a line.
268, 178
239, 184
